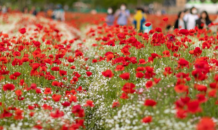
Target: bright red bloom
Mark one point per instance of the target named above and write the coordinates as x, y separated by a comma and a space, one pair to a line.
66, 104
18, 114
167, 71
183, 63
142, 61
125, 76
47, 91
88, 73
55, 83
194, 106
56, 97
150, 102
201, 98
158, 29
147, 119
206, 123
165, 19
197, 51
62, 72
181, 114
57, 114
115, 104
147, 24
8, 87
78, 111
129, 88
108, 73
149, 72
17, 74
5, 114
201, 88
181, 88
139, 75
124, 96
22, 30
89, 103
55, 68
184, 31
18, 92
149, 84
119, 68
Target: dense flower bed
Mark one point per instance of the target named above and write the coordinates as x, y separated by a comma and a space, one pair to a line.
111, 78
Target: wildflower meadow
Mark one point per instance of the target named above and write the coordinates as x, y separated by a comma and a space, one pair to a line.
55, 77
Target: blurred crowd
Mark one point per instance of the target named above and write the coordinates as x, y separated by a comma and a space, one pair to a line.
122, 16
187, 19
56, 13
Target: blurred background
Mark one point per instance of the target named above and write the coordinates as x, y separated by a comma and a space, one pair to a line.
100, 6
80, 13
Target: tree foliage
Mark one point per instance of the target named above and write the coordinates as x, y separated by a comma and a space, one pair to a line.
94, 3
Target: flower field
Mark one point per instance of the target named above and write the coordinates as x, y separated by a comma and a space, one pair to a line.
109, 78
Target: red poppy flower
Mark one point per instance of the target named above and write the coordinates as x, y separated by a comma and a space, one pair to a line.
125, 76
119, 68
88, 73
55, 83
165, 19
56, 68
201, 88
147, 24
8, 87
66, 104
183, 63
18, 92
22, 30
142, 61
47, 91
181, 114
139, 75
108, 73
181, 88
128, 88
57, 114
89, 103
184, 31
149, 84
115, 104
124, 96
194, 106
78, 111
158, 29
150, 102
206, 123
18, 114
56, 97
147, 119
62, 72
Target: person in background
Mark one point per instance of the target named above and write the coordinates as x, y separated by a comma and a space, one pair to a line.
214, 28
139, 19
123, 15
59, 14
4, 10
203, 21
25, 10
169, 29
33, 11
110, 17
191, 18
49, 13
180, 23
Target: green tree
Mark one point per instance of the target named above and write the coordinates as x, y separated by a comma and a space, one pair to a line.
116, 3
